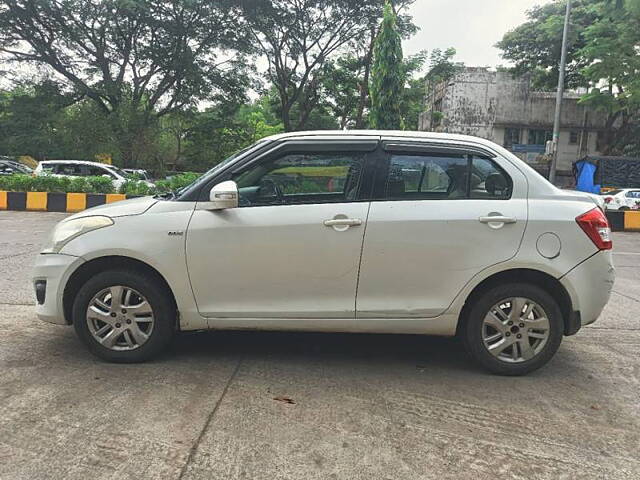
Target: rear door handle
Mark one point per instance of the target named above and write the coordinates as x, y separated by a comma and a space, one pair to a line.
343, 222
497, 219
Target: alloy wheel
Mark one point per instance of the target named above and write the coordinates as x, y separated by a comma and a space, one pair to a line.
120, 318
515, 330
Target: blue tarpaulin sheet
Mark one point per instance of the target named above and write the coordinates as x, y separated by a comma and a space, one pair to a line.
585, 177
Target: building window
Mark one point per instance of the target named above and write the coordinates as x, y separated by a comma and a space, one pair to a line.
539, 137
512, 136
573, 138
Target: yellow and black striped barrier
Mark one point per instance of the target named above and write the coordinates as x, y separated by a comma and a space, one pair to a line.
624, 220
56, 202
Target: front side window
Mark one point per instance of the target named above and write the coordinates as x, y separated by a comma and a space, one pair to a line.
445, 177
99, 171
70, 169
301, 178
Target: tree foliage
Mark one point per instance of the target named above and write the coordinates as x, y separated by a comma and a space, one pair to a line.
603, 56
169, 84
136, 59
388, 75
298, 38
535, 46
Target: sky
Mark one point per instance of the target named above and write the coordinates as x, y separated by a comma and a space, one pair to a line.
472, 27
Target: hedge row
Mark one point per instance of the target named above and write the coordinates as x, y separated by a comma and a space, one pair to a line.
51, 184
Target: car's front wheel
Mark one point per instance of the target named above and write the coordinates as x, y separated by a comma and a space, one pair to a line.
124, 316
513, 329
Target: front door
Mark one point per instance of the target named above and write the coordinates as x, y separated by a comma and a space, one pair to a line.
430, 229
292, 248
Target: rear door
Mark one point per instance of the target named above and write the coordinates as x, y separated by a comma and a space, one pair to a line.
439, 216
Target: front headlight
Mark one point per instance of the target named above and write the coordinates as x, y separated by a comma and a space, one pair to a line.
67, 230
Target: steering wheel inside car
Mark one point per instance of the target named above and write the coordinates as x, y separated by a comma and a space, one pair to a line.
270, 191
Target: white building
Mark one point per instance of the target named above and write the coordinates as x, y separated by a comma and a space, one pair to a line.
505, 110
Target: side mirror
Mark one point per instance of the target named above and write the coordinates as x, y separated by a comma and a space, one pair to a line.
224, 195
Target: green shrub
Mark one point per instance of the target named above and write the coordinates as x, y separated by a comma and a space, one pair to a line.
133, 187
176, 182
50, 183
100, 185
16, 183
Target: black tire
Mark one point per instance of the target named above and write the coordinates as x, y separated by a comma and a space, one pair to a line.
157, 296
472, 329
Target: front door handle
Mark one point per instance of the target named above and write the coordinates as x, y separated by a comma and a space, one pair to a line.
343, 222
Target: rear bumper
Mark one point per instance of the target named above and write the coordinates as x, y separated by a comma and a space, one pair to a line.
51, 273
589, 284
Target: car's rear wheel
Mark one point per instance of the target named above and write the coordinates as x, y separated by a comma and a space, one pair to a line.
124, 316
513, 329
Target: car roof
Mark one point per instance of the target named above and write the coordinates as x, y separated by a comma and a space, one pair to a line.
77, 162
384, 133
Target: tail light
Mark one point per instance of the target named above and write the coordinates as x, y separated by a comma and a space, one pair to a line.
608, 199
596, 226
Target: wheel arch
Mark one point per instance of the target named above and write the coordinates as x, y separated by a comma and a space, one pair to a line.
550, 284
101, 264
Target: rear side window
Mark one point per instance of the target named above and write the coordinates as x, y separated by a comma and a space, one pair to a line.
488, 181
427, 177
445, 177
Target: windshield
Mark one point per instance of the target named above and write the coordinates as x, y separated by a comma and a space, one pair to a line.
115, 169
236, 156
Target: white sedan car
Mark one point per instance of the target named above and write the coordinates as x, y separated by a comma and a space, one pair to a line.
82, 168
622, 199
386, 232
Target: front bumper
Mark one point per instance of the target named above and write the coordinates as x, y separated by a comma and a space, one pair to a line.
589, 284
51, 273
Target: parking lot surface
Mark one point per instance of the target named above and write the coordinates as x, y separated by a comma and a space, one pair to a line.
305, 406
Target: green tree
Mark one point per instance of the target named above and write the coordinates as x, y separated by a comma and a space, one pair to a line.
29, 114
442, 68
364, 45
603, 56
534, 47
612, 54
298, 38
387, 75
137, 60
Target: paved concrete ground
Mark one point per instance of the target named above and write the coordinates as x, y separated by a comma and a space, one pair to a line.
366, 406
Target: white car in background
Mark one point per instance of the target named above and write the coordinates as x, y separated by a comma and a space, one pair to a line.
138, 173
364, 231
622, 199
81, 168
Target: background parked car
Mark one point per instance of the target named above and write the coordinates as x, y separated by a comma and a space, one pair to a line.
137, 173
10, 167
622, 199
81, 168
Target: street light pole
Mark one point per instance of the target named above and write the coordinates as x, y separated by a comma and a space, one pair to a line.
559, 95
